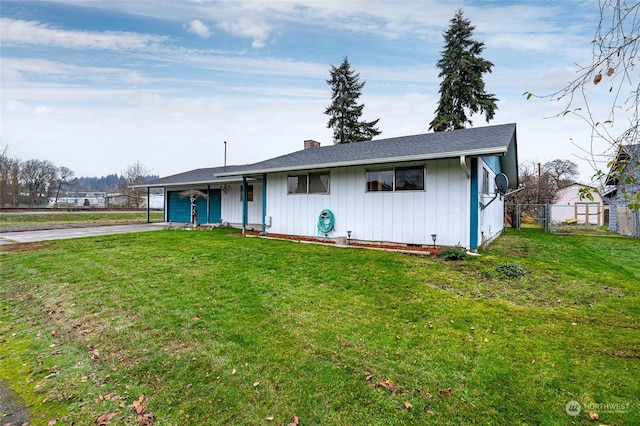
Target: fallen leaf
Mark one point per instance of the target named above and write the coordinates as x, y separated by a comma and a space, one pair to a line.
593, 415
408, 405
52, 422
388, 384
146, 419
431, 413
446, 392
138, 405
296, 420
106, 418
368, 376
270, 418
56, 352
255, 384
233, 371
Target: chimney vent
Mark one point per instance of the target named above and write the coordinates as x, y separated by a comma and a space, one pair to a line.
310, 143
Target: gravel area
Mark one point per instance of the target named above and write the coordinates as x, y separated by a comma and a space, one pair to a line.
13, 411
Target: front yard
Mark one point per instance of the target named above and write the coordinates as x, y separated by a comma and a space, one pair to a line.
205, 327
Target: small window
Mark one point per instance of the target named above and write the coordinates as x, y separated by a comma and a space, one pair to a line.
312, 183
297, 184
319, 183
485, 181
380, 180
409, 178
249, 193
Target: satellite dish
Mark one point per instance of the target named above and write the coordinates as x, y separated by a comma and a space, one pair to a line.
502, 183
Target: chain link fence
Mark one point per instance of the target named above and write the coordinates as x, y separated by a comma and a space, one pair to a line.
586, 217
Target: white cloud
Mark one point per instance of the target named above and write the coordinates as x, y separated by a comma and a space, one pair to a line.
13, 106
255, 28
20, 32
42, 109
197, 27
22, 67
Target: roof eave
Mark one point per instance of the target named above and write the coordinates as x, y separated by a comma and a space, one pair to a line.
212, 181
370, 161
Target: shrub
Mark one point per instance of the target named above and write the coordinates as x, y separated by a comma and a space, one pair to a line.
454, 253
509, 270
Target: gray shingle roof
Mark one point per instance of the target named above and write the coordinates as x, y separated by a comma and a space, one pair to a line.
197, 176
633, 151
489, 140
479, 141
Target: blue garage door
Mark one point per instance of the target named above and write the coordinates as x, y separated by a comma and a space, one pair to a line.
179, 209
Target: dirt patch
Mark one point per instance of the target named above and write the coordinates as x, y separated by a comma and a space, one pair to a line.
17, 247
404, 248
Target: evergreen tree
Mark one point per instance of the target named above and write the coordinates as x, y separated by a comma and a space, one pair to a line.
462, 89
344, 111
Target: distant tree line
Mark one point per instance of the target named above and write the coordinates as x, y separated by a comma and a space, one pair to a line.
33, 183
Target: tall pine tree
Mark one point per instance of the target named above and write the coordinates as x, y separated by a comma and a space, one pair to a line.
462, 89
344, 111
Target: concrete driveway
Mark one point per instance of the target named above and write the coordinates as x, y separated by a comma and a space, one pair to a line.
64, 233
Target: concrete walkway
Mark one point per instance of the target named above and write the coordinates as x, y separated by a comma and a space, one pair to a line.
65, 233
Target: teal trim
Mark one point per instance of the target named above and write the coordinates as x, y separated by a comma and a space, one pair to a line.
209, 204
474, 205
245, 205
493, 163
264, 203
215, 205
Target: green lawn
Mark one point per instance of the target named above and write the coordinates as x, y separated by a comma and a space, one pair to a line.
213, 328
74, 218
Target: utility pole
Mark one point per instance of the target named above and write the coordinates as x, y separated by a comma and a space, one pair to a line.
539, 174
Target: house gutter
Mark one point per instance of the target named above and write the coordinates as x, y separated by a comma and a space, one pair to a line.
189, 183
363, 162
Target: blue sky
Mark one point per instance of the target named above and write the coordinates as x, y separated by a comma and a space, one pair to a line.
98, 85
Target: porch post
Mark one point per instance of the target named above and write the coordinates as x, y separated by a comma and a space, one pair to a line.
244, 204
264, 203
148, 204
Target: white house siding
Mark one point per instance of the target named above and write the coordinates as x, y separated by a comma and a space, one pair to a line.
491, 218
232, 204
408, 217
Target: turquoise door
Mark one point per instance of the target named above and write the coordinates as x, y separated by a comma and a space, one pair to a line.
179, 208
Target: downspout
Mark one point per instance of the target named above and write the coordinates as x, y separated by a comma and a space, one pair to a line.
264, 203
463, 165
244, 204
